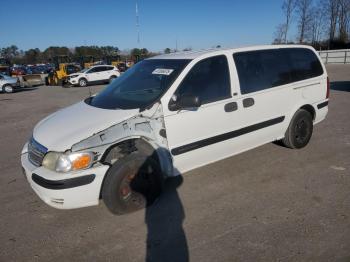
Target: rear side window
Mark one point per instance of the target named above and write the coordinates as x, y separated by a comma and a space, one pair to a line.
304, 63
209, 79
101, 68
263, 69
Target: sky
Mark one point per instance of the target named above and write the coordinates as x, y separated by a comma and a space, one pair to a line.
195, 24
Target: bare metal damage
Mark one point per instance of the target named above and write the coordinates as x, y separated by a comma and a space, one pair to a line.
146, 130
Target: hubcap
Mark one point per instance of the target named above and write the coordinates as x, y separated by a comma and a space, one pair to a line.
82, 82
136, 187
301, 131
8, 89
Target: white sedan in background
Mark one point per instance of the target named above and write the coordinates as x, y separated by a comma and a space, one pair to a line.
94, 75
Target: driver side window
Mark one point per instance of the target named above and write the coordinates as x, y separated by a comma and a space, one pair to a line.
92, 70
209, 80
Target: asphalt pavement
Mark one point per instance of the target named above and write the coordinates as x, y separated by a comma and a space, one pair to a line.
268, 204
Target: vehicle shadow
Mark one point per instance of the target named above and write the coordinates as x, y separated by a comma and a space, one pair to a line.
164, 217
166, 239
340, 86
26, 89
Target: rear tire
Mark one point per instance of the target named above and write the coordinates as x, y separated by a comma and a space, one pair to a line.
132, 183
82, 82
299, 131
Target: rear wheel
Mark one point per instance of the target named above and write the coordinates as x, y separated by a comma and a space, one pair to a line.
112, 78
82, 82
132, 183
299, 131
7, 89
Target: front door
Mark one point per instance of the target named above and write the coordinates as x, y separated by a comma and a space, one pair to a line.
94, 74
196, 136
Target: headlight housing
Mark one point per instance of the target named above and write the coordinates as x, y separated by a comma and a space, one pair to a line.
66, 162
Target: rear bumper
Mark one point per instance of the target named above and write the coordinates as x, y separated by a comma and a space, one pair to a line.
321, 111
322, 105
65, 191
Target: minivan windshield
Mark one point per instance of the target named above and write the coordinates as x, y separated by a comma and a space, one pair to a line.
141, 85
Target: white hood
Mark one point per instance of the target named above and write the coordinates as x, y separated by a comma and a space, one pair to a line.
60, 130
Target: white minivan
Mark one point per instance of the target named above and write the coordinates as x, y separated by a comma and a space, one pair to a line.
172, 113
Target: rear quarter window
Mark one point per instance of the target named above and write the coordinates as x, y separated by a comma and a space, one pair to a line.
264, 69
304, 63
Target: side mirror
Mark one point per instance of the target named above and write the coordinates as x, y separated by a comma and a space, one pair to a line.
185, 102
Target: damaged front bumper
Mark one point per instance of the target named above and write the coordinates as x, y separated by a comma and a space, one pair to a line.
65, 190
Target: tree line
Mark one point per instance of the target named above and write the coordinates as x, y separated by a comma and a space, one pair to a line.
325, 24
35, 56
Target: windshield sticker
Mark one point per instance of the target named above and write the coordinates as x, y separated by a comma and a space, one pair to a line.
162, 71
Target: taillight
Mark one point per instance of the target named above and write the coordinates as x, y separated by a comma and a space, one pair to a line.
328, 87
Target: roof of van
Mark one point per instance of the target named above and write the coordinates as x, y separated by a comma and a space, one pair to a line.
198, 53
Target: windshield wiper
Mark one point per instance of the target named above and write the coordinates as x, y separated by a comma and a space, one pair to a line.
148, 90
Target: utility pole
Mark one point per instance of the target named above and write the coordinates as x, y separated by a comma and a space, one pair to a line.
137, 24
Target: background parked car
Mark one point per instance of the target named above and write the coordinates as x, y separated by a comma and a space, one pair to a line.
18, 71
95, 74
8, 84
40, 69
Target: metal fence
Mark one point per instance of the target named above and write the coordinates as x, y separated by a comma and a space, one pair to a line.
335, 56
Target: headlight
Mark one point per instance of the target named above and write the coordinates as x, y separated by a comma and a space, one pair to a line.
65, 162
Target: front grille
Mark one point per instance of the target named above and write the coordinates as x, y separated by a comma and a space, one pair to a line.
36, 152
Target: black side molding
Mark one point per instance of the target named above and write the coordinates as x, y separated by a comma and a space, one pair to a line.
324, 104
63, 184
219, 138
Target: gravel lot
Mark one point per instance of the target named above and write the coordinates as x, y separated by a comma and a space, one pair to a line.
268, 204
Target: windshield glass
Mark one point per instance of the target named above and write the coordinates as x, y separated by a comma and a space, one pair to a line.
4, 76
141, 85
84, 70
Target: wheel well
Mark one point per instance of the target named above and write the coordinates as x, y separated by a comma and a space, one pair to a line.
310, 109
122, 149
119, 150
